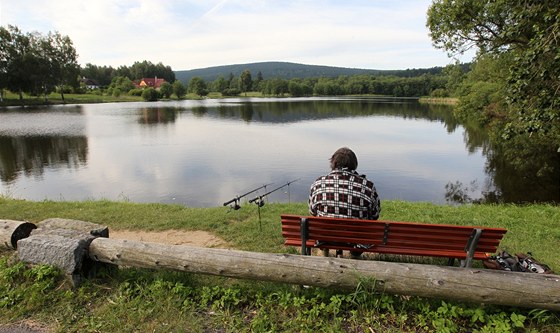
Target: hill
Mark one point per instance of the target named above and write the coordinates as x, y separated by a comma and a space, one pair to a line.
288, 70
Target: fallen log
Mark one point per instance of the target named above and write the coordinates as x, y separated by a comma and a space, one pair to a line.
444, 282
12, 231
63, 243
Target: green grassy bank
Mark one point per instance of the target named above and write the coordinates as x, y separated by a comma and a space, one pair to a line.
138, 300
11, 99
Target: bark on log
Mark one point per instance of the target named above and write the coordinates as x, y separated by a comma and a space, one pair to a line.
11, 231
462, 284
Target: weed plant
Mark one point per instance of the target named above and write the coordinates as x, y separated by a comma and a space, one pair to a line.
142, 300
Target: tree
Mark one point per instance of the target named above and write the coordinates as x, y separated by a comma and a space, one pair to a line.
528, 32
146, 68
231, 81
517, 91
34, 63
220, 84
18, 60
166, 89
198, 86
245, 81
257, 82
150, 95
5, 39
455, 76
62, 61
179, 89
121, 83
104, 75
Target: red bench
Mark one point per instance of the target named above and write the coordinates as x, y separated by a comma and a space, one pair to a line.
466, 243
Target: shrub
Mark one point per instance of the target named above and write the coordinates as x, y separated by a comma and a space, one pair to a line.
150, 95
230, 92
135, 92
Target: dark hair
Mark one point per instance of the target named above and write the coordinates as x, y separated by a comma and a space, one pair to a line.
344, 158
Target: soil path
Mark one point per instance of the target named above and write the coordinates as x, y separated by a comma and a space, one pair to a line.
172, 237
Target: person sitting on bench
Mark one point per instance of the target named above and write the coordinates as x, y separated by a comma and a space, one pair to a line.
344, 193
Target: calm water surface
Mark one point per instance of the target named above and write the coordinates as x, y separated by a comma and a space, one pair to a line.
203, 153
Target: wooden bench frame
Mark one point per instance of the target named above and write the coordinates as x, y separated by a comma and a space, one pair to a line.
466, 243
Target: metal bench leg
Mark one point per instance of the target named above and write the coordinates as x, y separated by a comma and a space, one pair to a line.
304, 231
471, 247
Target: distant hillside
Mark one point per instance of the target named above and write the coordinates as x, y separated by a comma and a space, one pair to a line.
288, 70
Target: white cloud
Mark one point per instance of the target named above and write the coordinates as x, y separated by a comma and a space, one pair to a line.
196, 34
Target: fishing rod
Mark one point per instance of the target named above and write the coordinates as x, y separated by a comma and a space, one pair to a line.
259, 199
235, 200
260, 202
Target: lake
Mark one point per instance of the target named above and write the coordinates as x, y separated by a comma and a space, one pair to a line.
203, 153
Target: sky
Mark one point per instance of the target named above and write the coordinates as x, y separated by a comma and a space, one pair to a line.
192, 34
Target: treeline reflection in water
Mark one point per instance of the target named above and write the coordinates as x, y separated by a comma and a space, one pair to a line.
149, 148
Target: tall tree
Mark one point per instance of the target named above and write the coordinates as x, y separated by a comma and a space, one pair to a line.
245, 81
166, 89
519, 53
179, 89
20, 60
4, 57
62, 60
198, 86
528, 32
220, 84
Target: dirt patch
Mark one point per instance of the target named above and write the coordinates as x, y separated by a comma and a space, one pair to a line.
172, 237
27, 326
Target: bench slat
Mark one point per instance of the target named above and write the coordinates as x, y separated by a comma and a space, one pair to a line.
391, 237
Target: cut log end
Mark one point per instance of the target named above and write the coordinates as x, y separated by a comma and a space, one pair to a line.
21, 232
12, 231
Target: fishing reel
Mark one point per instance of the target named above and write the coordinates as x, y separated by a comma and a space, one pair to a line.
234, 204
259, 202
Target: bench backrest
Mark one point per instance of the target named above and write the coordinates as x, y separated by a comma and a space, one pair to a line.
441, 240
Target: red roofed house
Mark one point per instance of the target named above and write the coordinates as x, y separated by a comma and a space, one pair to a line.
150, 82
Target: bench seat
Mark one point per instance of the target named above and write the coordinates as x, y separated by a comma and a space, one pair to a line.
465, 243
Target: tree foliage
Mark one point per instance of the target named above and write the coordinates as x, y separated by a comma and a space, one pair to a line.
139, 70
166, 89
245, 81
527, 35
418, 86
198, 86
34, 63
144, 69
179, 89
150, 95
120, 83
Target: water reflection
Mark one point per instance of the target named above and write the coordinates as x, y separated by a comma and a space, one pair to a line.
202, 153
31, 155
296, 110
151, 116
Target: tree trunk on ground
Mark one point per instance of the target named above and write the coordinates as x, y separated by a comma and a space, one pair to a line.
462, 284
11, 231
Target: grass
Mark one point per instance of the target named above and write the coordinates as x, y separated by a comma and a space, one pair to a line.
133, 300
439, 100
11, 99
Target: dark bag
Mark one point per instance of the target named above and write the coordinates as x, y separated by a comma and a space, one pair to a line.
521, 262
528, 264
